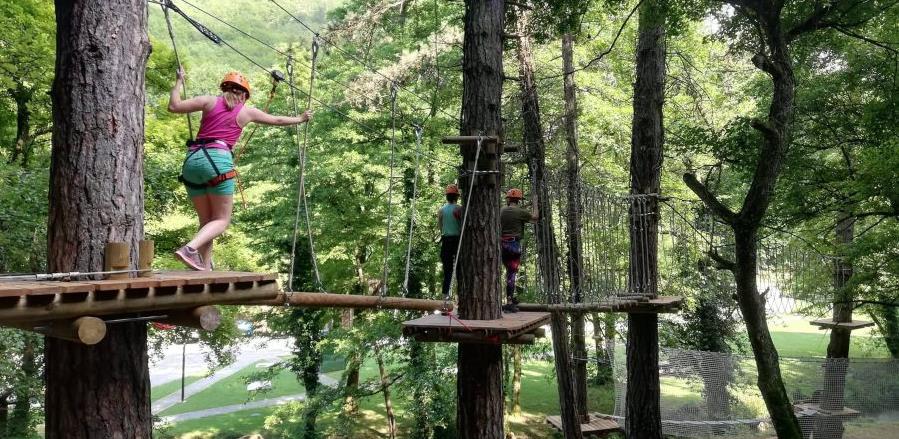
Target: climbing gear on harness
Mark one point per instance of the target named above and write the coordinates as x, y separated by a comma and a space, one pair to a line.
452, 190
514, 194
220, 177
235, 78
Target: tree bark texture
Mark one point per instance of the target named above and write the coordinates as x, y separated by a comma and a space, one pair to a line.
516, 380
22, 97
575, 225
547, 249
479, 412
96, 196
643, 411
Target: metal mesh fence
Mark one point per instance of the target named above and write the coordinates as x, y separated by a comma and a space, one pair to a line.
707, 394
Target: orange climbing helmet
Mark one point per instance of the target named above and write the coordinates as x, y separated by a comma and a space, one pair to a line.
514, 194
235, 78
452, 190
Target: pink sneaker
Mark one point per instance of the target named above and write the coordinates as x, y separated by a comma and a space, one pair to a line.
191, 258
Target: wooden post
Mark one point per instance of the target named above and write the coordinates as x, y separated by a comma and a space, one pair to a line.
204, 318
145, 253
85, 330
117, 256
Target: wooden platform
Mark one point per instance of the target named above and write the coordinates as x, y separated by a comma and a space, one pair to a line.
814, 409
830, 324
514, 328
598, 425
36, 301
659, 305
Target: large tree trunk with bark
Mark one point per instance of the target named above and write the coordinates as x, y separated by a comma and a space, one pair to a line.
575, 246
547, 249
479, 414
96, 196
643, 412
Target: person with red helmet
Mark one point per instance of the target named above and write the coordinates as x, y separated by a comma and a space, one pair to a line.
449, 221
512, 219
208, 171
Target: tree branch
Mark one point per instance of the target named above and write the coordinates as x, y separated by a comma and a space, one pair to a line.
709, 199
880, 44
721, 262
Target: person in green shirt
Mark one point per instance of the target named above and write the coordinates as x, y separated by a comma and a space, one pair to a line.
449, 221
512, 219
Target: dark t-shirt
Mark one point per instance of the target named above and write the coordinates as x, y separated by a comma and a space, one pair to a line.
513, 219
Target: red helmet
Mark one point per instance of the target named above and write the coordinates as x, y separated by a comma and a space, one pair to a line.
452, 189
235, 78
514, 194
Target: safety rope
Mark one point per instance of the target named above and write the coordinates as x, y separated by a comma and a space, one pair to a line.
301, 156
385, 269
168, 22
474, 174
277, 77
418, 135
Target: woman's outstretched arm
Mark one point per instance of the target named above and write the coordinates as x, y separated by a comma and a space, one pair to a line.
176, 105
259, 116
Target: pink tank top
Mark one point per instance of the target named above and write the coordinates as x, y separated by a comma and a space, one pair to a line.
221, 124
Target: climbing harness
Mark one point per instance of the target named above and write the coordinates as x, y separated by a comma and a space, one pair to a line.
220, 177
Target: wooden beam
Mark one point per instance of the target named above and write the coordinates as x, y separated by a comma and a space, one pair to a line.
204, 318
661, 304
86, 330
145, 253
475, 338
469, 140
327, 300
117, 257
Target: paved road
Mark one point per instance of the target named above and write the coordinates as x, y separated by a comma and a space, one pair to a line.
262, 403
168, 368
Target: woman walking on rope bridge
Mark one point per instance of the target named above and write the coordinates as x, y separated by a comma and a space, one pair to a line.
512, 218
449, 221
208, 171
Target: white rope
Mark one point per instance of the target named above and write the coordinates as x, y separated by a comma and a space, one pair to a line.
386, 272
301, 186
474, 175
418, 134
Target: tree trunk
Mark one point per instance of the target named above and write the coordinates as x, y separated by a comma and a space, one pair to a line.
385, 390
838, 349
20, 422
479, 415
516, 380
887, 320
4, 414
547, 249
22, 96
643, 412
96, 196
575, 246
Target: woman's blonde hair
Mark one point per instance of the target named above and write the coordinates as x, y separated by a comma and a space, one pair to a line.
234, 97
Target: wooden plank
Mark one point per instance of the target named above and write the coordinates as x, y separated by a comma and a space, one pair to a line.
29, 288
509, 325
831, 324
813, 409
67, 287
596, 426
327, 300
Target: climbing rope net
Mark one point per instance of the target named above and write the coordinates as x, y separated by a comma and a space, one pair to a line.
706, 394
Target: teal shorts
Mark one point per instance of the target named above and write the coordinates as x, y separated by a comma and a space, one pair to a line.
197, 169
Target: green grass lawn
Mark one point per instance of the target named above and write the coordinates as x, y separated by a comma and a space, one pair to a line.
170, 387
538, 399
232, 390
802, 344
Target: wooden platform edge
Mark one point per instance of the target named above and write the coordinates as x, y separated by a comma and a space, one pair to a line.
599, 424
849, 326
